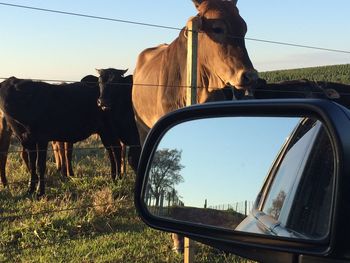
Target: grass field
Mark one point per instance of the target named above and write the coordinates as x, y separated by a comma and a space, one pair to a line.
333, 73
87, 218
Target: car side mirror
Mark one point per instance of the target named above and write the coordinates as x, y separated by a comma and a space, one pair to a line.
245, 174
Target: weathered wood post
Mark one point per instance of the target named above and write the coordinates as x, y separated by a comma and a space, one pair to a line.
192, 50
191, 98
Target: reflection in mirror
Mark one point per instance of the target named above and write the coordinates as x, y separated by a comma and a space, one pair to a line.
213, 172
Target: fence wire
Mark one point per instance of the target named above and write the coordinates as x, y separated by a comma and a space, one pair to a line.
19, 150
316, 84
167, 27
59, 179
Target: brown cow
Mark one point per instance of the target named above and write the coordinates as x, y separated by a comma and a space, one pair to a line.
160, 72
63, 152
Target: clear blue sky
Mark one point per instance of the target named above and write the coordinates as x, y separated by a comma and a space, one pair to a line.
52, 46
226, 159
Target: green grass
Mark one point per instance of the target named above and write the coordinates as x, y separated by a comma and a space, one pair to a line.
333, 73
87, 218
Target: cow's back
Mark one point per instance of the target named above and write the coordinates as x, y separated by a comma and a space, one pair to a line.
51, 112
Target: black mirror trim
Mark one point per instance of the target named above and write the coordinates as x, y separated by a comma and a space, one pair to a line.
337, 121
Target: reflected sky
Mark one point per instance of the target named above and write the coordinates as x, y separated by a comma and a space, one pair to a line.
226, 159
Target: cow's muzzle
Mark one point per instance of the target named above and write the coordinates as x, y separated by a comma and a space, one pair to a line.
105, 106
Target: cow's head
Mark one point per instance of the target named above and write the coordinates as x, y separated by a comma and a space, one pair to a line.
89, 80
108, 78
221, 48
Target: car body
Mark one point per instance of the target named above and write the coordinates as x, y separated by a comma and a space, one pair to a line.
296, 178
310, 222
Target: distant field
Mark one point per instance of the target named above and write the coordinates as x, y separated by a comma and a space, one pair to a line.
83, 219
336, 73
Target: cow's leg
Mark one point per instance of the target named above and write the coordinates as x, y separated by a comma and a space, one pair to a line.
5, 138
113, 162
25, 158
62, 157
68, 149
117, 152
107, 143
134, 156
123, 156
132, 140
62, 152
142, 131
41, 162
32, 157
56, 152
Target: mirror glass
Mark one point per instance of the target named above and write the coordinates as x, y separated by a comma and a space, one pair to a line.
252, 174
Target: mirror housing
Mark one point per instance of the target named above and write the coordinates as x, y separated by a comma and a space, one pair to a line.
336, 120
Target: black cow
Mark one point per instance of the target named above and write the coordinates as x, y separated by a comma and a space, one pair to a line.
39, 112
120, 112
303, 88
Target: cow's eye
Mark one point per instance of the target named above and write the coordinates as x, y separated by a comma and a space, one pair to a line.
218, 30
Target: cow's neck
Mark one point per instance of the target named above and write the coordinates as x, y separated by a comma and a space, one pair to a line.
174, 70
176, 83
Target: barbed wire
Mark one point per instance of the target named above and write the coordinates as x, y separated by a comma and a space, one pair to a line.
89, 16
69, 149
62, 178
114, 83
167, 27
52, 179
211, 88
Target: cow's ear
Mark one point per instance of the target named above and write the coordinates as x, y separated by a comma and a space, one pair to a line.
124, 71
99, 71
233, 1
197, 3
196, 21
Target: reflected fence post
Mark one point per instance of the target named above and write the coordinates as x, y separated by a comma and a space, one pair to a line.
243, 207
162, 205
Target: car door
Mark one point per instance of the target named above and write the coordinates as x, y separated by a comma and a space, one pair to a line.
296, 197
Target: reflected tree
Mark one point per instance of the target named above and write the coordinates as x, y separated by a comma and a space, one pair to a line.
164, 173
277, 204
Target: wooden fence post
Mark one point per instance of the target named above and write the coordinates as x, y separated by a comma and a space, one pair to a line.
192, 50
188, 251
191, 98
